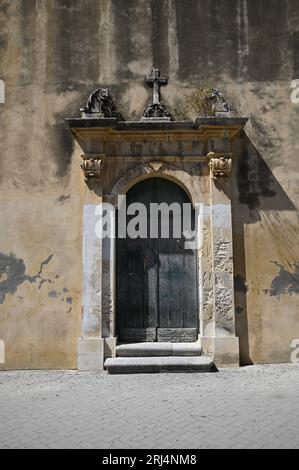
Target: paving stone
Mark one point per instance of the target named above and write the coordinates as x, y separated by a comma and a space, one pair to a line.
254, 407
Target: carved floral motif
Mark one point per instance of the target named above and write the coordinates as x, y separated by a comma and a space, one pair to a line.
91, 168
220, 164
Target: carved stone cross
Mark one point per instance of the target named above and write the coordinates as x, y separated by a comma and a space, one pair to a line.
155, 82
156, 110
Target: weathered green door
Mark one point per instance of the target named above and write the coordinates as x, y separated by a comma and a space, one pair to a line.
157, 294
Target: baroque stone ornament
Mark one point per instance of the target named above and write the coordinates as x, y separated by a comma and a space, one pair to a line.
100, 104
219, 104
156, 166
91, 168
220, 164
156, 110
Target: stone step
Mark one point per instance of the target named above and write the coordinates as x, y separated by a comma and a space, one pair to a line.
158, 349
142, 365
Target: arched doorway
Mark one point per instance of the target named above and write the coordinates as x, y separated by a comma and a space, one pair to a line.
156, 277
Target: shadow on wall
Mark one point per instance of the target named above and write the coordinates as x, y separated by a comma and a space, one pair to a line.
256, 188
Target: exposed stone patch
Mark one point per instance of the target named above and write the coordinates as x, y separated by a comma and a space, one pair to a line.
222, 249
13, 274
207, 296
286, 282
223, 302
222, 254
53, 294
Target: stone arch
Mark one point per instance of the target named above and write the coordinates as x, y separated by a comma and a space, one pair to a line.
159, 170
186, 181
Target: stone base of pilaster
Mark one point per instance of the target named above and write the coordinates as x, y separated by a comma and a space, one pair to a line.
91, 354
110, 347
224, 350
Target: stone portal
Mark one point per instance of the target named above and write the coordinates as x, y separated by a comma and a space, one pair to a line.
194, 157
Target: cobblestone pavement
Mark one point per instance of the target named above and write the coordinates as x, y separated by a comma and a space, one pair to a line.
251, 407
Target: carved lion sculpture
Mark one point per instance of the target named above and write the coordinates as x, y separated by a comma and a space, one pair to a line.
101, 102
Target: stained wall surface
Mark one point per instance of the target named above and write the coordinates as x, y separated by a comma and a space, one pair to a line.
53, 53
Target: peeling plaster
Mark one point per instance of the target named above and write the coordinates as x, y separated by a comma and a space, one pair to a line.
62, 199
286, 282
13, 274
53, 294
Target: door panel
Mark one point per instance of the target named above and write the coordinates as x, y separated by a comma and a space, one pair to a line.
137, 309
157, 295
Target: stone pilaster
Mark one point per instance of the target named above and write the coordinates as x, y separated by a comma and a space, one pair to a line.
225, 342
207, 322
91, 344
109, 281
221, 340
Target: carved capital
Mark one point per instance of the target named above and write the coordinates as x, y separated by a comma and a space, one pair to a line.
220, 164
91, 168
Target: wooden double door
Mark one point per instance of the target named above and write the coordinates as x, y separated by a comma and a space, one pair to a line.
157, 281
